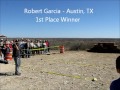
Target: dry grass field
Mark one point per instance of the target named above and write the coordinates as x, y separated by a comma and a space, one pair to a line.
73, 70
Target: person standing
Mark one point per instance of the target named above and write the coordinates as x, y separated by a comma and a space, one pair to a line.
32, 47
115, 85
1, 55
44, 47
48, 45
6, 52
1, 43
2, 58
16, 56
27, 48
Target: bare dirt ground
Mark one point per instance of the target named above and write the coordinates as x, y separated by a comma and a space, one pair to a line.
73, 70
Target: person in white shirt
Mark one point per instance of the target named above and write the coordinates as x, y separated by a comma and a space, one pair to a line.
38, 46
32, 47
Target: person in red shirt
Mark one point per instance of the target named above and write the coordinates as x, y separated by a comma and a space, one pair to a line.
48, 45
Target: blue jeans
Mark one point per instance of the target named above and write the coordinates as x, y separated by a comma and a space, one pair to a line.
17, 64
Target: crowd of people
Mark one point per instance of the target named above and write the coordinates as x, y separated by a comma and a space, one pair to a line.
15, 49
27, 47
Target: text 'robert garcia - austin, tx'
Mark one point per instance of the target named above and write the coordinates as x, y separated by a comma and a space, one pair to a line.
55, 12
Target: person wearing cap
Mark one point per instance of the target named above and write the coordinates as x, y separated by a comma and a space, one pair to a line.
17, 60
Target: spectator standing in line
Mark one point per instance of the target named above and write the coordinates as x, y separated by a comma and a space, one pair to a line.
41, 46
1, 43
6, 51
48, 45
38, 46
32, 47
27, 47
115, 85
1, 55
45, 47
2, 58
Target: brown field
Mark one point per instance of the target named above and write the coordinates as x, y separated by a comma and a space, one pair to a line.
73, 70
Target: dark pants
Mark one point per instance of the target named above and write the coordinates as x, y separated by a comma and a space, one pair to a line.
27, 53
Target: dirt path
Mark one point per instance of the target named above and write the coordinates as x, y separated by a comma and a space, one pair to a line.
70, 71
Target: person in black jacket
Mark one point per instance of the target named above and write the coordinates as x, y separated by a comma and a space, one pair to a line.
2, 58
115, 85
16, 56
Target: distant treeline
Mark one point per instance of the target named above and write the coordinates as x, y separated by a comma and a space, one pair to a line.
76, 43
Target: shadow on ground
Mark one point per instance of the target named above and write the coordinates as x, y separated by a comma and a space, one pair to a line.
7, 74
